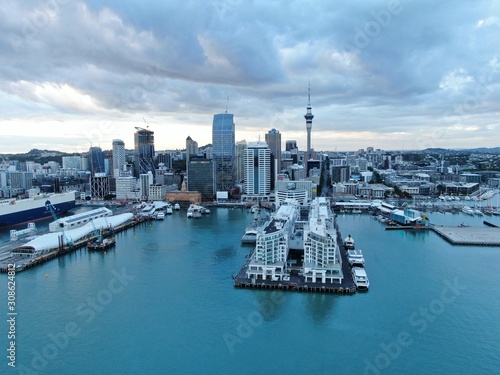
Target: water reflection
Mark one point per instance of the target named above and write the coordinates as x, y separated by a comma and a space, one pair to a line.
321, 306
224, 253
270, 303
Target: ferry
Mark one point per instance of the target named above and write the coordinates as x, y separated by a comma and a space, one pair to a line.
41, 206
360, 278
355, 258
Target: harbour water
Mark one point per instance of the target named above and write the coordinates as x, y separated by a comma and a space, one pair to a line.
163, 302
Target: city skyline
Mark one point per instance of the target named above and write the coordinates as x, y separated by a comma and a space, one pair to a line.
395, 75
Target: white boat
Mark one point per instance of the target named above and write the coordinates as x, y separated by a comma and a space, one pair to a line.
349, 242
355, 258
160, 216
250, 235
467, 210
194, 211
356, 211
477, 211
360, 278
168, 210
177, 206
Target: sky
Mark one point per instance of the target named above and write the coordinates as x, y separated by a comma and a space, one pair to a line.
395, 75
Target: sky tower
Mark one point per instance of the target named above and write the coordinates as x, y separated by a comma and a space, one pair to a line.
309, 119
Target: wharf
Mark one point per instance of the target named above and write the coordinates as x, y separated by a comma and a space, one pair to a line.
297, 283
26, 261
406, 227
480, 236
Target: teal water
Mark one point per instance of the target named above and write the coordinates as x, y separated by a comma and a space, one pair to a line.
162, 302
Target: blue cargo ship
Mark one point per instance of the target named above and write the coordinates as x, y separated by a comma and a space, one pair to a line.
42, 206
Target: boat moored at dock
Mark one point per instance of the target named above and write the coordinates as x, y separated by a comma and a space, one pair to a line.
349, 243
355, 258
360, 278
37, 207
100, 245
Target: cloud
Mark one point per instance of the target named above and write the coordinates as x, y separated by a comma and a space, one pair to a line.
380, 71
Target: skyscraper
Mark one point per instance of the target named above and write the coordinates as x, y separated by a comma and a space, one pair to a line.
309, 120
118, 157
96, 157
201, 177
223, 139
191, 148
144, 144
258, 169
240, 148
273, 140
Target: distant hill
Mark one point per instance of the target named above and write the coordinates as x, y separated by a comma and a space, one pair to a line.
481, 150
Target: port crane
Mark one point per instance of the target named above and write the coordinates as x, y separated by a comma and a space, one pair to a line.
50, 208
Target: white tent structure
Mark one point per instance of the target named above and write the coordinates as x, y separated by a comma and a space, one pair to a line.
50, 241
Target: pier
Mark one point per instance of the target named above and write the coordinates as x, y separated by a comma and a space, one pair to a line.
477, 236
24, 262
297, 283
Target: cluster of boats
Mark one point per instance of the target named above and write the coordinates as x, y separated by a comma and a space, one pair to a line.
169, 209
357, 263
194, 211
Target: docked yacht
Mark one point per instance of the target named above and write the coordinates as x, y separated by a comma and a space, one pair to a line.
177, 206
250, 235
360, 278
160, 216
355, 258
349, 242
168, 209
467, 210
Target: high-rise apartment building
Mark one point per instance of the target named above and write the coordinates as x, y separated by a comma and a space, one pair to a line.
273, 140
118, 157
223, 139
257, 169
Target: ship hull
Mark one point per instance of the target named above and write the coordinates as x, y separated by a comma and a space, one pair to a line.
35, 211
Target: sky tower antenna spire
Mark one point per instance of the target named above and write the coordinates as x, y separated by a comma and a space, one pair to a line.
309, 94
